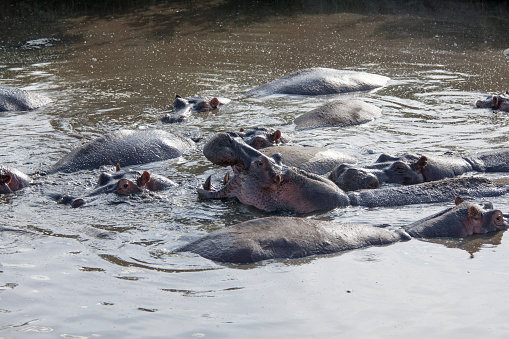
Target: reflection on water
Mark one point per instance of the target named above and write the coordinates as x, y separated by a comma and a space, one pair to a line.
113, 261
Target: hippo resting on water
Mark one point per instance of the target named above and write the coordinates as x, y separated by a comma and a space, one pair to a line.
15, 99
124, 147
287, 238
184, 107
496, 102
320, 81
291, 237
12, 180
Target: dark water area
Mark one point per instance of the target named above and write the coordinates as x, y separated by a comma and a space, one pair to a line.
107, 269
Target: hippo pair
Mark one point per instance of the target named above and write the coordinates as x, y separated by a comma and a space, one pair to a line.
268, 184
293, 237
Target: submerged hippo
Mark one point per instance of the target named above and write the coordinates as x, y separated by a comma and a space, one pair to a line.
339, 113
124, 147
15, 99
261, 137
320, 81
12, 180
121, 183
269, 185
349, 178
461, 220
288, 238
184, 107
496, 102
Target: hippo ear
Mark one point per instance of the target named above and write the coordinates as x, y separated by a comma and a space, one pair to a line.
241, 130
226, 178
214, 103
145, 178
495, 100
5, 179
275, 137
421, 163
458, 200
473, 212
177, 96
117, 167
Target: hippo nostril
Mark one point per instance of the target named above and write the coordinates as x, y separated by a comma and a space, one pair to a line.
126, 185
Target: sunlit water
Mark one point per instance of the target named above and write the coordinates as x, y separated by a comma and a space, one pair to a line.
107, 269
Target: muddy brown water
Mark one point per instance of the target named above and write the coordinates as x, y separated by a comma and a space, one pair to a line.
107, 269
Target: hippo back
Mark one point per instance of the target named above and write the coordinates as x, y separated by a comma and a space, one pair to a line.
321, 81
15, 99
124, 147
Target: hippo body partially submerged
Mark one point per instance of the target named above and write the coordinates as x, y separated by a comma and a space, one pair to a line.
338, 113
124, 147
15, 99
12, 179
288, 238
184, 107
461, 220
320, 81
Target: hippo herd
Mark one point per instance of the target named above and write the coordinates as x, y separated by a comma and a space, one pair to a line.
273, 176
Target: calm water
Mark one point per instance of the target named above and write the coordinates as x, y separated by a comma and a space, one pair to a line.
106, 270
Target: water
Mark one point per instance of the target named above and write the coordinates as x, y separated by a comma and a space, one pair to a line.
106, 270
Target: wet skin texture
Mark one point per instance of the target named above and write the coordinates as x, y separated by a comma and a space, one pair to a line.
15, 99
461, 220
12, 180
184, 107
124, 147
320, 81
287, 238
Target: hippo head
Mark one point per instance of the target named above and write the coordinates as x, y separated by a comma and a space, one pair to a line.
479, 219
400, 170
261, 137
126, 187
226, 150
491, 101
179, 103
267, 170
350, 178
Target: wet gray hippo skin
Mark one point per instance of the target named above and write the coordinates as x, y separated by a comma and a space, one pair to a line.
229, 149
15, 99
121, 183
496, 102
184, 107
461, 220
288, 238
339, 113
124, 147
350, 178
430, 192
317, 160
320, 81
408, 169
261, 137
271, 186
12, 180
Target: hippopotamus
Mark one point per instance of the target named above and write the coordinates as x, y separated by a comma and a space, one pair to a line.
410, 168
320, 81
184, 107
261, 137
15, 99
496, 102
124, 147
269, 185
288, 238
464, 219
122, 183
338, 113
12, 179
223, 148
350, 178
